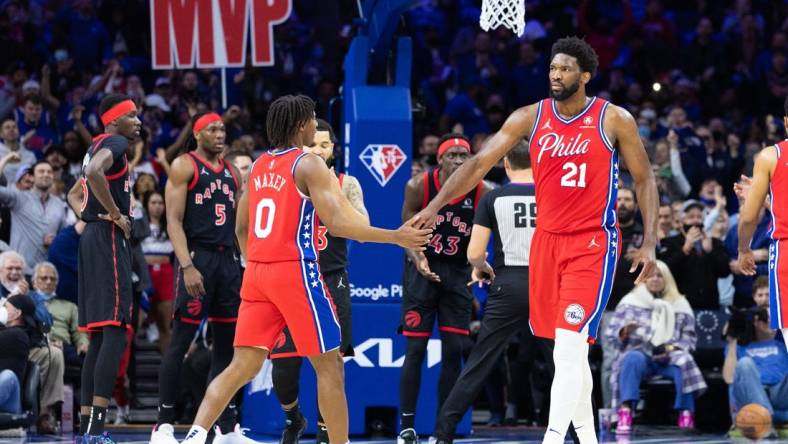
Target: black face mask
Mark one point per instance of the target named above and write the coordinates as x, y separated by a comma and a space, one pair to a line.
688, 227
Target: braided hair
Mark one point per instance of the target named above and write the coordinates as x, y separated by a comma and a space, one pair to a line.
285, 116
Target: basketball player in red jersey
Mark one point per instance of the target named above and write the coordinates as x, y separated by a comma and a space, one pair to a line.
574, 142
769, 176
282, 284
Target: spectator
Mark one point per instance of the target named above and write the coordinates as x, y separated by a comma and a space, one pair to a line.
696, 259
36, 215
63, 254
158, 255
16, 319
760, 292
34, 123
12, 279
11, 143
49, 355
24, 178
665, 219
756, 366
654, 332
242, 162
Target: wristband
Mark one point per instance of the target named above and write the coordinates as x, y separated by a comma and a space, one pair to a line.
186, 267
117, 218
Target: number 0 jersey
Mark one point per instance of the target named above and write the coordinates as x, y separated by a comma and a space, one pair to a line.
281, 219
209, 218
575, 169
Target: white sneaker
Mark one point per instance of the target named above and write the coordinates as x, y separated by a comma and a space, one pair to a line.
163, 434
237, 436
122, 415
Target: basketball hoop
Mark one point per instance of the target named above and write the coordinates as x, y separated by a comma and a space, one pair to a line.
509, 13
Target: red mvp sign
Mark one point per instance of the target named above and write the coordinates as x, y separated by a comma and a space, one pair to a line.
213, 33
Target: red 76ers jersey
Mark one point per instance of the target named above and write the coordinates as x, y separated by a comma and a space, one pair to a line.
282, 222
575, 169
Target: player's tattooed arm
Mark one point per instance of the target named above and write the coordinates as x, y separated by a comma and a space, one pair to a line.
622, 131
352, 189
517, 127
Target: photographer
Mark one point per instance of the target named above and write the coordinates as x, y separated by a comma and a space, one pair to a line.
696, 259
756, 363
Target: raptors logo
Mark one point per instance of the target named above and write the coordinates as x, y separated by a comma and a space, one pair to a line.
412, 319
194, 307
280, 340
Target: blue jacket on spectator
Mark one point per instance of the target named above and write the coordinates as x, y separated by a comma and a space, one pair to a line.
63, 253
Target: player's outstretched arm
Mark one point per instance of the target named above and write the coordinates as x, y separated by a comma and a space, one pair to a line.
335, 211
175, 193
634, 153
765, 162
516, 127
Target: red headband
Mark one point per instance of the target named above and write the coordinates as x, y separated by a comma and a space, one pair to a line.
451, 143
206, 120
118, 110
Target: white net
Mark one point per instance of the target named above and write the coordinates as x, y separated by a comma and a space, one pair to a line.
509, 13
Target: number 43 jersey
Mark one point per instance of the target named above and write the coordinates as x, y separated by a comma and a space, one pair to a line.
575, 169
282, 220
454, 223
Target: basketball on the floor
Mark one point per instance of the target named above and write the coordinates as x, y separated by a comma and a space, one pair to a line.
754, 421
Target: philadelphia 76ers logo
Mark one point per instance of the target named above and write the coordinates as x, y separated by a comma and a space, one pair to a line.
382, 161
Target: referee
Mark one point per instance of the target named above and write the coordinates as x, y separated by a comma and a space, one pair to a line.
509, 212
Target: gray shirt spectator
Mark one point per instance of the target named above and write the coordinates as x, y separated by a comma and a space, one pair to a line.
10, 143
36, 215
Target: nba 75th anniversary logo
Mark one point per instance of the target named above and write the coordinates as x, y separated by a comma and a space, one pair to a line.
382, 161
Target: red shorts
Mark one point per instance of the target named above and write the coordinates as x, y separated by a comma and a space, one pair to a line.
292, 294
571, 276
162, 277
778, 284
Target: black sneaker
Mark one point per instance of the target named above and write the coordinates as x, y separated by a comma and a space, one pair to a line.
408, 436
293, 431
321, 437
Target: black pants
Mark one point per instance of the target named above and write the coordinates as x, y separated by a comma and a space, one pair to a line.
505, 316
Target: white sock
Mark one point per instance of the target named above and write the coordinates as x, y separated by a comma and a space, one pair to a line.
196, 435
583, 418
571, 348
785, 337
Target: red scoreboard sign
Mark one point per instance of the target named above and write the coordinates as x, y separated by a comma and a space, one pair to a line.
214, 33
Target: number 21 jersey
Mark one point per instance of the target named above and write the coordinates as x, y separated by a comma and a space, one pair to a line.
281, 219
575, 169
